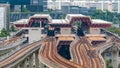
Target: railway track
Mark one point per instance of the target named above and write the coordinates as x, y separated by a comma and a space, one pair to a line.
50, 56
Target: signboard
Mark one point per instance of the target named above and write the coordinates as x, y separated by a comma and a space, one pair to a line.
2, 17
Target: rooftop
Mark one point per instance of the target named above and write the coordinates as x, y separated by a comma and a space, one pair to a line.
75, 15
99, 21
41, 15
59, 21
21, 21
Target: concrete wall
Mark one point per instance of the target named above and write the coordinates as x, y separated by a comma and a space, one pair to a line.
94, 30
34, 34
65, 30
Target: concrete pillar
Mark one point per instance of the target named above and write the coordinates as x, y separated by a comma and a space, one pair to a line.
30, 62
34, 35
36, 60
115, 53
65, 30
20, 65
94, 30
25, 65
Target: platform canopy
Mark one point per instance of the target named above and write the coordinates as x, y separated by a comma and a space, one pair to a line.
59, 23
42, 16
96, 23
67, 22
100, 23
21, 21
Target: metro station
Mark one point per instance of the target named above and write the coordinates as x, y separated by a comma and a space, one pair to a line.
42, 25
78, 41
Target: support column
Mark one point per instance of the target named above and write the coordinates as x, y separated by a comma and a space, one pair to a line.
115, 53
30, 62
25, 65
34, 66
20, 65
36, 60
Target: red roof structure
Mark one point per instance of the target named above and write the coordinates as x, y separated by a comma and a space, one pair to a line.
67, 22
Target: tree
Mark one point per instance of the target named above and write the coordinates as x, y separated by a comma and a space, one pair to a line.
4, 33
13, 29
117, 31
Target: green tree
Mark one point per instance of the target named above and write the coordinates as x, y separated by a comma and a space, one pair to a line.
4, 33
13, 29
25, 9
117, 31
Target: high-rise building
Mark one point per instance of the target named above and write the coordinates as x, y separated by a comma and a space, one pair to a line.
4, 16
32, 5
42, 4
110, 5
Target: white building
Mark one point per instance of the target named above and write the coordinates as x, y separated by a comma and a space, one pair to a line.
4, 16
111, 5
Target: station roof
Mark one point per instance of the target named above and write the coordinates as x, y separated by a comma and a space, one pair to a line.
76, 15
42, 16
70, 18
21, 21
59, 21
99, 21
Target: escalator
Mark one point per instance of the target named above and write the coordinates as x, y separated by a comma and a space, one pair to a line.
21, 32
